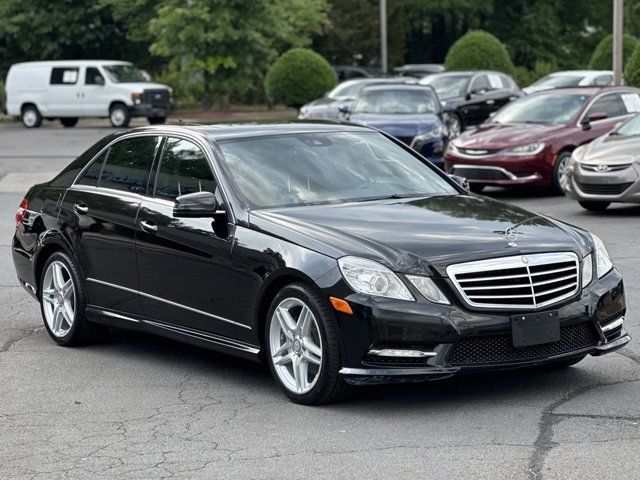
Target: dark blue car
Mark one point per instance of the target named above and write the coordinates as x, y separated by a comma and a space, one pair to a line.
411, 113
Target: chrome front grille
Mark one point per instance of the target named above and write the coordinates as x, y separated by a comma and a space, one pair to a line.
520, 282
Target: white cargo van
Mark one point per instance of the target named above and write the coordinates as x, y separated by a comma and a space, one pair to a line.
68, 90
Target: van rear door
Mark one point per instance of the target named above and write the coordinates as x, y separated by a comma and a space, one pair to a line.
63, 95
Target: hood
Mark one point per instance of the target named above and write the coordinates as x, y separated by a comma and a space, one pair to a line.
398, 125
495, 136
140, 86
419, 235
535, 88
613, 150
325, 101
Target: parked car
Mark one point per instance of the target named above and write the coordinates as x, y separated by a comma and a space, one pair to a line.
607, 170
419, 70
410, 113
572, 78
342, 96
469, 97
72, 89
529, 141
336, 255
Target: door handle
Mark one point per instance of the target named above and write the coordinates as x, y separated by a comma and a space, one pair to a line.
148, 227
81, 208
490, 102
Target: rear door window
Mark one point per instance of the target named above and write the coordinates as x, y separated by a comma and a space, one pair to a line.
64, 75
128, 164
480, 84
183, 169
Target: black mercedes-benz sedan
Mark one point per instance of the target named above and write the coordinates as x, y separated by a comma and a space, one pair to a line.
333, 253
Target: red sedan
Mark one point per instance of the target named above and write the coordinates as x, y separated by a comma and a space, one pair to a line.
529, 141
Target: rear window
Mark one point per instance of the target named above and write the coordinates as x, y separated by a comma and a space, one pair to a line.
128, 164
64, 75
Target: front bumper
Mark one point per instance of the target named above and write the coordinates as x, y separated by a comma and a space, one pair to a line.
502, 170
613, 186
149, 110
440, 329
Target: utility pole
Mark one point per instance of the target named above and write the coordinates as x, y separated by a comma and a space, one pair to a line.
383, 36
618, 26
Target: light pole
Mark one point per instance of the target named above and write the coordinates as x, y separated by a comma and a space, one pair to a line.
618, 26
383, 36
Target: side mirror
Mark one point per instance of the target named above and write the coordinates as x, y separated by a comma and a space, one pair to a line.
597, 116
98, 80
196, 205
461, 181
344, 108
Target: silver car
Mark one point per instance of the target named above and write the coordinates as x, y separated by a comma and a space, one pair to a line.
608, 169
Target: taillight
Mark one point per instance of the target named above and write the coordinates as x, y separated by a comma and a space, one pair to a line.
22, 211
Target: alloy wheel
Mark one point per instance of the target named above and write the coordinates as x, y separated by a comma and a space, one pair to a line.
58, 299
563, 171
296, 345
30, 118
454, 126
118, 117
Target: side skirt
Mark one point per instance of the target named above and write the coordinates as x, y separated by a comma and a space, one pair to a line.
191, 336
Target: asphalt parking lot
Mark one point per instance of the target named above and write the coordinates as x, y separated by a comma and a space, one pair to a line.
137, 406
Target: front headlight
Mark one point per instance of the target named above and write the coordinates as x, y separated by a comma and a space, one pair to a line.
429, 289
136, 97
371, 278
603, 260
531, 149
587, 270
437, 132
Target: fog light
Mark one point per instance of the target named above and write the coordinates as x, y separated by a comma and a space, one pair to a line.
613, 325
394, 352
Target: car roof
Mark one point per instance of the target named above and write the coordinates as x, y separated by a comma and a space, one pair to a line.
229, 131
590, 90
396, 86
467, 72
581, 72
71, 63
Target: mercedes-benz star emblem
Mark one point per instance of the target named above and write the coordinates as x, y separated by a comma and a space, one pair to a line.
525, 260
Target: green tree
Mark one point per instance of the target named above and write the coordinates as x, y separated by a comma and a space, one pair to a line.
478, 49
299, 76
227, 45
632, 68
602, 55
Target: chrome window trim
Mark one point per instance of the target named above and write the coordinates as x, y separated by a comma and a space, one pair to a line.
168, 302
515, 261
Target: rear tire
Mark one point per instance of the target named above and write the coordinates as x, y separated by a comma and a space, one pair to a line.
62, 298
69, 121
157, 120
30, 116
290, 342
561, 173
119, 116
594, 206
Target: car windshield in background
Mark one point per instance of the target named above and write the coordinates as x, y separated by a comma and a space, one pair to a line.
397, 102
558, 81
318, 168
347, 89
448, 86
125, 74
632, 127
553, 108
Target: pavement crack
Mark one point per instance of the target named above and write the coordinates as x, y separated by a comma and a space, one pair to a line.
22, 334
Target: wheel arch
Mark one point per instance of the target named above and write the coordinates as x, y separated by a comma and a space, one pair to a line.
52, 245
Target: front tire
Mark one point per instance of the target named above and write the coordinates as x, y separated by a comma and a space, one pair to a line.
594, 206
119, 116
454, 125
63, 301
30, 116
69, 121
157, 120
302, 346
561, 173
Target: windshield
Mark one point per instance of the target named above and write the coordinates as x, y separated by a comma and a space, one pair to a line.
125, 74
554, 108
318, 168
448, 86
347, 89
397, 102
632, 127
558, 81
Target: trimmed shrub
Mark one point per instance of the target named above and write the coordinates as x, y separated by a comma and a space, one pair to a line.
298, 77
478, 49
603, 53
632, 68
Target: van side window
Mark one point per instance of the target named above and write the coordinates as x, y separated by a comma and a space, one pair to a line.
92, 76
64, 75
183, 169
128, 164
92, 174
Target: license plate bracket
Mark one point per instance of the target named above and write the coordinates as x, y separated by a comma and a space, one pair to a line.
535, 328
